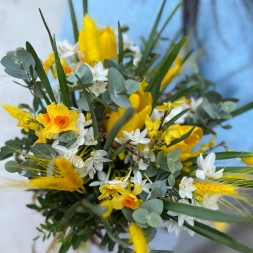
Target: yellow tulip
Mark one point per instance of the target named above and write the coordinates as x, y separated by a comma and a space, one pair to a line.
143, 105
96, 45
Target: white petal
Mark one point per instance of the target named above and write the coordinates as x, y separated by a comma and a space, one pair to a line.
200, 174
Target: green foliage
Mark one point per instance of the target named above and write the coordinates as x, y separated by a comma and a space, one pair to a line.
17, 64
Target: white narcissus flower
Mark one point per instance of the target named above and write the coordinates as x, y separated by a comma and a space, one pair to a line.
137, 179
98, 159
102, 179
89, 137
210, 201
186, 187
66, 50
207, 167
137, 137
171, 226
98, 88
182, 217
98, 72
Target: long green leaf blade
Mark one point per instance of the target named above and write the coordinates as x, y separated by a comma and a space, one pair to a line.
205, 214
73, 20
41, 73
149, 43
218, 237
120, 44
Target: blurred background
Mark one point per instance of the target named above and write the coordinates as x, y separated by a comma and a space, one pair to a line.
21, 22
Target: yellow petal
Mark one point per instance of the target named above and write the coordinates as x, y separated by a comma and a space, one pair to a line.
107, 42
89, 42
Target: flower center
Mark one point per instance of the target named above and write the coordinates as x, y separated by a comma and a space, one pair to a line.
61, 121
129, 202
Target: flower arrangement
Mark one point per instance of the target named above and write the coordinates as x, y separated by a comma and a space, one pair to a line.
109, 148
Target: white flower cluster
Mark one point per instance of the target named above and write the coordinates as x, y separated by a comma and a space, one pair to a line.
206, 169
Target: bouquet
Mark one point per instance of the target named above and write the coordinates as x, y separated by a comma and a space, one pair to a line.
112, 146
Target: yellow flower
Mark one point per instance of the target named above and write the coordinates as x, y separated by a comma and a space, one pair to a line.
172, 72
127, 198
169, 106
187, 144
58, 119
138, 238
26, 120
108, 190
142, 87
152, 127
108, 45
143, 105
171, 133
107, 203
96, 45
65, 180
247, 160
47, 64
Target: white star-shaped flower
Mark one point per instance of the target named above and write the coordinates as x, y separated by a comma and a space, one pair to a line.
207, 167
89, 137
66, 50
98, 87
98, 72
186, 187
137, 179
98, 159
137, 137
182, 217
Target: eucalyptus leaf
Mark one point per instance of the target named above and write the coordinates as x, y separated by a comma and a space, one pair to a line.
116, 82
150, 233
128, 212
110, 64
151, 171
44, 151
140, 215
209, 109
154, 220
229, 106
26, 59
20, 75
132, 86
153, 205
83, 103
11, 63
171, 180
160, 186
174, 155
11, 166
120, 100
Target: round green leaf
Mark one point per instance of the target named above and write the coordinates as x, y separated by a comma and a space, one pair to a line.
174, 154
120, 100
160, 186
132, 86
154, 220
11, 166
140, 215
171, 180
229, 106
153, 205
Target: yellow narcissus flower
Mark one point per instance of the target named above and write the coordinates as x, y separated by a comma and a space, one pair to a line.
26, 120
127, 198
172, 72
58, 119
96, 45
143, 105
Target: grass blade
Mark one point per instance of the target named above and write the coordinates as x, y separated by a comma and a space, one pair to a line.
73, 21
